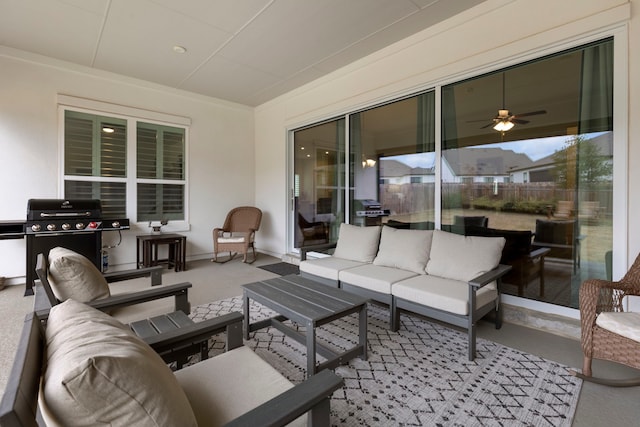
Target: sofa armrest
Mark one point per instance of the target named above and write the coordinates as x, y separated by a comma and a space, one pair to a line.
311, 248
155, 273
313, 394
489, 276
231, 324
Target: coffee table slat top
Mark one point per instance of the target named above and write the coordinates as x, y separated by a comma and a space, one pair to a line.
303, 297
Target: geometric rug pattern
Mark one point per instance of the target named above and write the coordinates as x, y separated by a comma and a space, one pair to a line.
420, 375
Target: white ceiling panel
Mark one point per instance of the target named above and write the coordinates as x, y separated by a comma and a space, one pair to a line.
246, 51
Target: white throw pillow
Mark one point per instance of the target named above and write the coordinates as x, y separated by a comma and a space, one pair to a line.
405, 249
463, 258
98, 372
72, 275
357, 243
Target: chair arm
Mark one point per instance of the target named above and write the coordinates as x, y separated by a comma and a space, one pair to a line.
293, 403
200, 331
539, 253
154, 272
490, 276
305, 249
179, 291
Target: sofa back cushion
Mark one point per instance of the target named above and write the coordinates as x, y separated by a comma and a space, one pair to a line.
72, 275
357, 243
98, 372
404, 249
463, 258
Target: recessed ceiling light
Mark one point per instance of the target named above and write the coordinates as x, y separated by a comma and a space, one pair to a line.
179, 49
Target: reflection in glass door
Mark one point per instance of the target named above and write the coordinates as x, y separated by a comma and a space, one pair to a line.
318, 187
545, 181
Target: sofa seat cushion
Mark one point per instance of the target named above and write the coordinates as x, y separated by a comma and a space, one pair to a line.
328, 267
404, 249
228, 385
72, 275
463, 258
374, 277
626, 324
357, 243
98, 372
444, 294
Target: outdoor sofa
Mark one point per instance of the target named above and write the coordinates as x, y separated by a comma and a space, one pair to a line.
438, 274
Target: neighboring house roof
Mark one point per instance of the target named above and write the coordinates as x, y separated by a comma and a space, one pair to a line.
395, 169
603, 142
485, 161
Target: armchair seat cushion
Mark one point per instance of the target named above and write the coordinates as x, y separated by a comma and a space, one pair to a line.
328, 267
374, 277
72, 275
226, 386
99, 373
444, 294
232, 238
626, 324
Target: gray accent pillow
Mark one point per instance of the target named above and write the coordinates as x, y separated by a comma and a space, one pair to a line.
72, 275
357, 243
404, 249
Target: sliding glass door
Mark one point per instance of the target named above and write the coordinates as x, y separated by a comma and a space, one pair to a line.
527, 148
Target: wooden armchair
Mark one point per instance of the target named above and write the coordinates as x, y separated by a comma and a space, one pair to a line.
76, 342
238, 233
76, 277
608, 332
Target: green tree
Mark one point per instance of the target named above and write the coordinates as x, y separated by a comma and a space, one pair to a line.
580, 160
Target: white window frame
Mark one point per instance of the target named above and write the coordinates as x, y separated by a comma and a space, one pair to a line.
132, 115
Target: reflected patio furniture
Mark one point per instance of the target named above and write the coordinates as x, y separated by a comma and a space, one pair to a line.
313, 233
237, 234
560, 237
467, 221
564, 209
527, 262
608, 332
589, 211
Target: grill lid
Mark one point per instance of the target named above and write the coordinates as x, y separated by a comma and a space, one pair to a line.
40, 209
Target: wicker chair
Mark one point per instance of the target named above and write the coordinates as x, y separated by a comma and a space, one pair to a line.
237, 234
597, 297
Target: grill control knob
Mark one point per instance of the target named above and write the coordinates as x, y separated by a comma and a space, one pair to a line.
66, 226
79, 226
35, 227
93, 224
115, 224
51, 227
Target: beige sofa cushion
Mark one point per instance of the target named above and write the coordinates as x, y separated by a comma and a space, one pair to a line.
374, 277
357, 243
224, 387
444, 294
327, 267
99, 373
405, 249
72, 275
463, 258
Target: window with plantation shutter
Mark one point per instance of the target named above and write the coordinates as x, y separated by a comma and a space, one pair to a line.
149, 186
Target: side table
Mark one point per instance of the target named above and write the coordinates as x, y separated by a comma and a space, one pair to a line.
147, 245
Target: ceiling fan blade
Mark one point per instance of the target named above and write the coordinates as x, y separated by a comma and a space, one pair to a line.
531, 113
519, 121
487, 125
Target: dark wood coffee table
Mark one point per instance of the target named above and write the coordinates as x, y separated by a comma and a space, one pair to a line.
309, 304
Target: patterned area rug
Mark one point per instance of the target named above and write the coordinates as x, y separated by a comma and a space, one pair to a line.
420, 375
